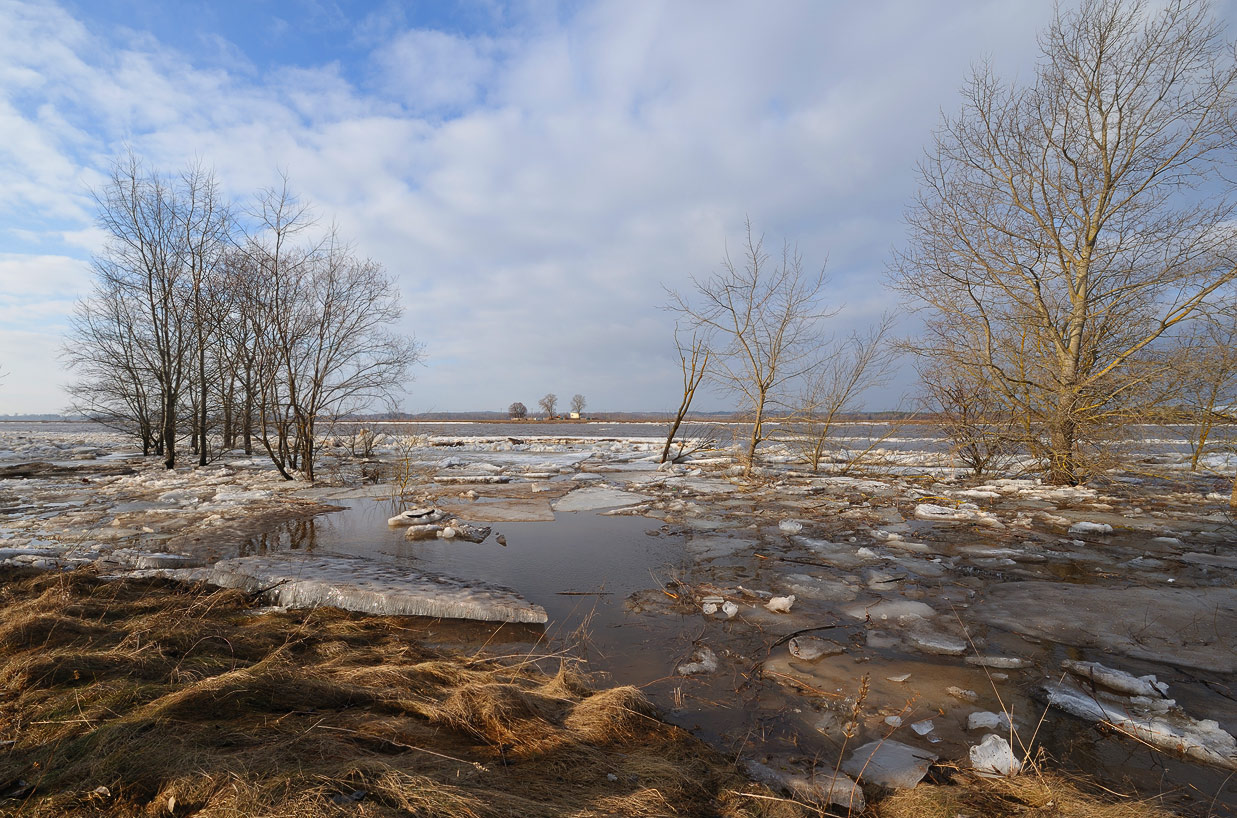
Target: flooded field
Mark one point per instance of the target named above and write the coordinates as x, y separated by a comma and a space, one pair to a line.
792, 619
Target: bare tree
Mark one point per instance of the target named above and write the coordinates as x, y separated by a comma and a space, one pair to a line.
322, 317
517, 411
836, 386
1202, 379
971, 415
1067, 225
104, 350
205, 237
143, 263
764, 323
578, 402
548, 403
694, 363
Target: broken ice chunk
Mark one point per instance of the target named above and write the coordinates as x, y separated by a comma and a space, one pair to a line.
964, 695
703, 660
986, 720
993, 757
1085, 527
811, 648
417, 516
1117, 680
780, 604
889, 764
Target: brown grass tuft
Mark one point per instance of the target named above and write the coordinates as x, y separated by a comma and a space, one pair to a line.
1040, 795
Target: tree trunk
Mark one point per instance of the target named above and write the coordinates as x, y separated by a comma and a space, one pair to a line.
202, 409
755, 441
1062, 454
227, 396
247, 423
169, 430
674, 428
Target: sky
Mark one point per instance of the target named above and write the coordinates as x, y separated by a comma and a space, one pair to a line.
535, 175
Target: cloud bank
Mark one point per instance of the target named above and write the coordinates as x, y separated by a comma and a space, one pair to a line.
534, 176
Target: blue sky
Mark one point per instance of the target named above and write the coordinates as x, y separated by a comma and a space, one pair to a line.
532, 173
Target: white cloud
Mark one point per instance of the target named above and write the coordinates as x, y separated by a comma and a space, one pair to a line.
532, 189
431, 70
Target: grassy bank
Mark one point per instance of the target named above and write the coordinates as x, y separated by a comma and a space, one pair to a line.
143, 697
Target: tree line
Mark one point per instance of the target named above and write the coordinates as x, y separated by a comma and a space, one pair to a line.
1072, 254
240, 325
549, 405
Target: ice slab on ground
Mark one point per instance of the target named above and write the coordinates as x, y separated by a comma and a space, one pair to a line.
1117, 680
367, 586
1189, 627
593, 498
790, 526
929, 640
1175, 732
1087, 527
1214, 560
1000, 662
890, 609
889, 764
823, 785
417, 516
965, 513
471, 479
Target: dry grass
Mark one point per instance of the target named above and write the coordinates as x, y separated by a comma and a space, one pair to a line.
142, 697
1038, 795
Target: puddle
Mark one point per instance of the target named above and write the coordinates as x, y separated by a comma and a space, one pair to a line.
580, 565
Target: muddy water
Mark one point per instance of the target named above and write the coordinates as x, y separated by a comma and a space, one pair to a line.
608, 582
581, 568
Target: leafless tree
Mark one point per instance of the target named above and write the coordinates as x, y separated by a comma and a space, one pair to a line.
764, 323
548, 403
104, 349
1067, 225
183, 318
322, 317
1202, 381
517, 411
971, 415
694, 363
143, 263
205, 224
848, 370
578, 402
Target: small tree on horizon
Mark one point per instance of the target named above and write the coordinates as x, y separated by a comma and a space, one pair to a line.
548, 403
578, 402
517, 411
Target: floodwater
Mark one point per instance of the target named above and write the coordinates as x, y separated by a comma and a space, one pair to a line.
619, 592
581, 568
607, 584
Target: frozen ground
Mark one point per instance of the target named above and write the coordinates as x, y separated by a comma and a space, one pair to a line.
944, 609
